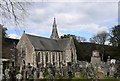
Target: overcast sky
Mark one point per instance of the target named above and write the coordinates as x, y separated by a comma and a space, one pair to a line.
81, 18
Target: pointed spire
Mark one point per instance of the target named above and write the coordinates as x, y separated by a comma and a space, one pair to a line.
54, 34
54, 23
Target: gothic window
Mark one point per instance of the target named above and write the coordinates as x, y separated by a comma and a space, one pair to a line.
59, 57
53, 56
63, 57
23, 67
38, 57
23, 49
24, 62
46, 57
72, 55
42, 56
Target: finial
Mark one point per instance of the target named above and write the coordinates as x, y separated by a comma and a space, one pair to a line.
24, 31
54, 20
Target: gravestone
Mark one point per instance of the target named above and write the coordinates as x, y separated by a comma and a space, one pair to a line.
50, 77
112, 70
41, 75
34, 71
77, 70
77, 74
60, 72
108, 60
69, 70
51, 71
117, 73
7, 70
29, 72
95, 59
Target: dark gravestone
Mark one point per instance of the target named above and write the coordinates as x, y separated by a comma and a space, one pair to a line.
12, 74
52, 69
29, 72
69, 70
50, 77
60, 72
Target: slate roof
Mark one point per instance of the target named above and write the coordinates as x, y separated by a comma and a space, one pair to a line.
42, 43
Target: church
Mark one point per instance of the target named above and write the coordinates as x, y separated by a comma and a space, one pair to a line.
37, 50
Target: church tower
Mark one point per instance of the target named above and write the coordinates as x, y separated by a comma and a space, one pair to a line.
54, 34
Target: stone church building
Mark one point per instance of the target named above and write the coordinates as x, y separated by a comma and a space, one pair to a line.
38, 50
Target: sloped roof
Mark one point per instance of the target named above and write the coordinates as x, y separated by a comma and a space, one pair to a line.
42, 43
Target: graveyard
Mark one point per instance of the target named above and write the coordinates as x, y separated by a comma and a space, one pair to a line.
96, 70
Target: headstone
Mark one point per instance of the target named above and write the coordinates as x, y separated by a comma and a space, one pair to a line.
7, 73
69, 70
12, 73
23, 72
50, 77
35, 73
112, 61
112, 71
77, 74
95, 59
60, 72
52, 69
117, 73
19, 76
41, 75
29, 72
108, 60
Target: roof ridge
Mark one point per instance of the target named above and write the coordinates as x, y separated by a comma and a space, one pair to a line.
40, 36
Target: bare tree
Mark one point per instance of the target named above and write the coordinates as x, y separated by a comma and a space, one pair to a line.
13, 11
80, 39
94, 39
100, 38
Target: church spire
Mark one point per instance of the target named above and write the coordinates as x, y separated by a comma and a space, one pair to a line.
54, 34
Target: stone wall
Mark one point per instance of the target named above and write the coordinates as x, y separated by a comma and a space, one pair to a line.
50, 57
28, 56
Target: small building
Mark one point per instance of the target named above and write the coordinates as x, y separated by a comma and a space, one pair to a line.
9, 52
38, 50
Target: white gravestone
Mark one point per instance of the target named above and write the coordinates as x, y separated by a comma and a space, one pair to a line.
95, 59
41, 75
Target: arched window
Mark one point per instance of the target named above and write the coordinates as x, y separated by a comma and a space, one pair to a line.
42, 57
23, 49
59, 57
53, 56
71, 56
23, 67
38, 57
46, 57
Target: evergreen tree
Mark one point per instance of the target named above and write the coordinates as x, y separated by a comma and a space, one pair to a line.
115, 36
